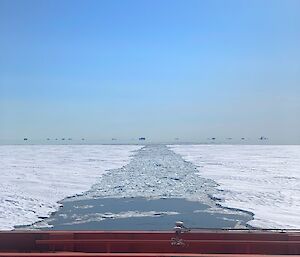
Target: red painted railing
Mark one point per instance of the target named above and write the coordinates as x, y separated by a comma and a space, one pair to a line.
148, 243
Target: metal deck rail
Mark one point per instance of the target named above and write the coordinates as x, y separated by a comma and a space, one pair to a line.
149, 243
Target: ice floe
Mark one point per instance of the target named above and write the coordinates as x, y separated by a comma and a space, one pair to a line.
261, 179
33, 178
96, 217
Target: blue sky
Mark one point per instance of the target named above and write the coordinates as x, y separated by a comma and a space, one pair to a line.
160, 69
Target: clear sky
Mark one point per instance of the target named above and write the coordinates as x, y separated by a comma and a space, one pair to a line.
155, 68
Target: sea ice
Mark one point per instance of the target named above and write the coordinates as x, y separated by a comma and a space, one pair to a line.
155, 172
96, 217
261, 179
33, 178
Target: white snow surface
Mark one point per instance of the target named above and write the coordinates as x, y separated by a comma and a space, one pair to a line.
261, 179
33, 178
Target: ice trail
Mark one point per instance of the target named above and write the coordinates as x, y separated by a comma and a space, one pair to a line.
155, 172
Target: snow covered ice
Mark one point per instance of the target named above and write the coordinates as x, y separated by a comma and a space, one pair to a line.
34, 178
264, 180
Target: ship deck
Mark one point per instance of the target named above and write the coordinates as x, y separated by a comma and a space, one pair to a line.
208, 243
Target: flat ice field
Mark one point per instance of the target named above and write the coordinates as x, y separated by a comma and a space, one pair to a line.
34, 178
264, 180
